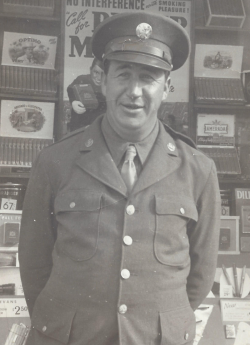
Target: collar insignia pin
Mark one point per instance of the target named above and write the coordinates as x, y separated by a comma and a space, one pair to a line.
144, 31
89, 143
171, 147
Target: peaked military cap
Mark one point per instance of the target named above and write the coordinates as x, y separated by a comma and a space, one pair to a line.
142, 37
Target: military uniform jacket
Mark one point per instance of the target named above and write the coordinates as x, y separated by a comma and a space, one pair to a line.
95, 262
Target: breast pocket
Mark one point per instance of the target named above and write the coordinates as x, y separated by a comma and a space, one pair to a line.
78, 213
171, 243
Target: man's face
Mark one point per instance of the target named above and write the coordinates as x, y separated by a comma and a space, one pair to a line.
29, 51
96, 74
134, 94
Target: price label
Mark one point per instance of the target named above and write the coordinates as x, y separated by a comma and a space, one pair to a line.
13, 307
8, 204
226, 291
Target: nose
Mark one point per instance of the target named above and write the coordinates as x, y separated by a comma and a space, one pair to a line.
134, 89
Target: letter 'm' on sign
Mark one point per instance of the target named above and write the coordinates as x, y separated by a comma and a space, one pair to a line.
79, 47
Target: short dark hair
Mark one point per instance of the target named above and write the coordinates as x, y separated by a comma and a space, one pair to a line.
96, 62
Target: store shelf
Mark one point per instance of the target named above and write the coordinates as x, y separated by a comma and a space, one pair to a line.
234, 181
36, 97
230, 107
11, 172
27, 17
219, 29
56, 17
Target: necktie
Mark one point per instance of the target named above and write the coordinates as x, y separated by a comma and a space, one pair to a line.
128, 170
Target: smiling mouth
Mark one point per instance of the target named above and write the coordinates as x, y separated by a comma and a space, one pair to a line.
133, 106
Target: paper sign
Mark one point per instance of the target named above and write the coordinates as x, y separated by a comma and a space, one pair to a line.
235, 310
218, 61
243, 334
226, 291
28, 50
202, 315
8, 204
27, 119
13, 307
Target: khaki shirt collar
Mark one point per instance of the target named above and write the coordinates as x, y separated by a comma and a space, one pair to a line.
118, 146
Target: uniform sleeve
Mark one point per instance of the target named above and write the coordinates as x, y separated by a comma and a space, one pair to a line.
204, 241
37, 235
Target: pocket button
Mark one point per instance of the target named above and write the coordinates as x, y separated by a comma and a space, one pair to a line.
182, 210
72, 204
186, 336
44, 329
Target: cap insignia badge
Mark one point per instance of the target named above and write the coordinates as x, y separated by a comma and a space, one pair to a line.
171, 147
144, 31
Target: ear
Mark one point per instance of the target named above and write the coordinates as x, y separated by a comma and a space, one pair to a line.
166, 88
104, 84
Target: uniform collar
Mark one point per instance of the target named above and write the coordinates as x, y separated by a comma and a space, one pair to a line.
97, 161
117, 146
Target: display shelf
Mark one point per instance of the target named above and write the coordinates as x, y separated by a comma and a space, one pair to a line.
219, 29
56, 17
231, 107
27, 17
233, 181
230, 36
26, 96
13, 172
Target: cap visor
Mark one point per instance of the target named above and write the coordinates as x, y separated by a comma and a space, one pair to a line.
139, 58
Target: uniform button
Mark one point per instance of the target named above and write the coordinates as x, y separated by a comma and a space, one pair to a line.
186, 336
182, 210
125, 273
123, 308
44, 328
72, 204
89, 143
128, 240
130, 210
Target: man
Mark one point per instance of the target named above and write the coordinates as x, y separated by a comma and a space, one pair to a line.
120, 225
27, 57
81, 115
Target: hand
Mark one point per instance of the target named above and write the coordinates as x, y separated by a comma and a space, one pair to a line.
78, 107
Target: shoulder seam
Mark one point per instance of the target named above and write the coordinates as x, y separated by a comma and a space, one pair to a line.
180, 136
72, 134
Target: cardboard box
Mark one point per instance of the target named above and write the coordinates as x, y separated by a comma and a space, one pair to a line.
224, 13
21, 7
242, 209
229, 235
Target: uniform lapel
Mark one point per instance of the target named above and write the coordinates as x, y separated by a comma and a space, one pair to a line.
162, 161
96, 160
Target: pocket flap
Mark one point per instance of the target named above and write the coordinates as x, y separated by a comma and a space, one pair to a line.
52, 319
178, 326
183, 207
77, 200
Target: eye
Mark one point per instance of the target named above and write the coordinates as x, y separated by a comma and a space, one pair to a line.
124, 75
147, 77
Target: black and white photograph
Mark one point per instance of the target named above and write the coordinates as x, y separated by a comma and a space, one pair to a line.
124, 172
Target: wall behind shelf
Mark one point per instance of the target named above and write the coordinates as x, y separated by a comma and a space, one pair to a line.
233, 37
